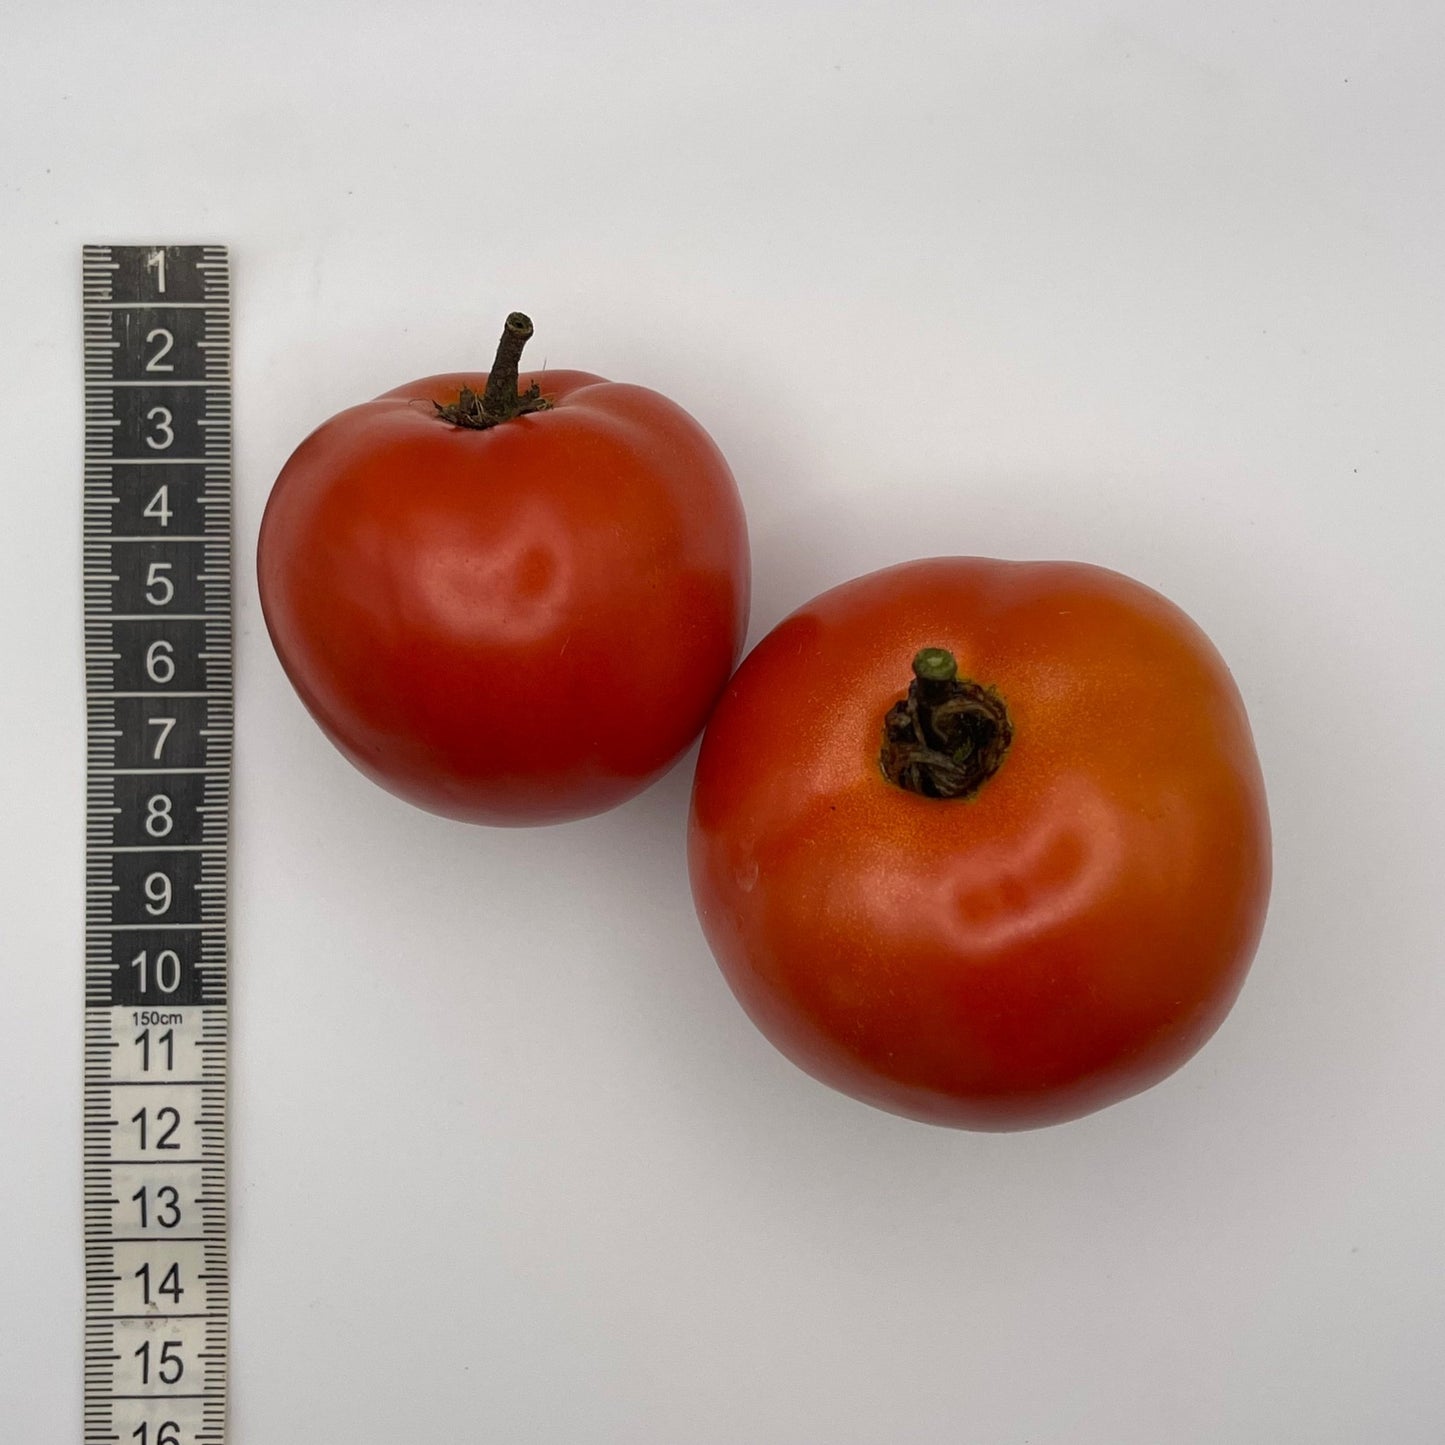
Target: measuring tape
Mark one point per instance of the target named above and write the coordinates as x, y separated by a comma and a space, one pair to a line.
159, 705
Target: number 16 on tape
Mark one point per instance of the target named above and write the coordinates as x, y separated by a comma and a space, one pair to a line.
159, 705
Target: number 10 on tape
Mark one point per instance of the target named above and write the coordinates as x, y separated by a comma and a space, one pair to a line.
157, 590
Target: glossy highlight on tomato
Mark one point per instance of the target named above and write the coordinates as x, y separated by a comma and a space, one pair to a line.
1063, 932
508, 601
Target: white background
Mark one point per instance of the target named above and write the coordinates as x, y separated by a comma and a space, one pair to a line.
1156, 285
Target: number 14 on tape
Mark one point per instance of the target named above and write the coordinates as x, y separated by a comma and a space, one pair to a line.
159, 705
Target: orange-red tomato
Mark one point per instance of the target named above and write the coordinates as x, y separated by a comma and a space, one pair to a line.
1064, 933
518, 621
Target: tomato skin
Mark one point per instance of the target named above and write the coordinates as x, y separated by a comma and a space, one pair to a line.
1064, 938
517, 625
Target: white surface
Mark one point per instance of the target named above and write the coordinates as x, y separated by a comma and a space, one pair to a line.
1158, 285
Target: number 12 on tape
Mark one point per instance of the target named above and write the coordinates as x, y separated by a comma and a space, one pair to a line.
159, 705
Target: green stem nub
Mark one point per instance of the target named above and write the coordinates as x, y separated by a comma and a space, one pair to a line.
948, 736
500, 401
935, 664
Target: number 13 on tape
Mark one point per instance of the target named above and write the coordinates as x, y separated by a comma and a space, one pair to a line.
157, 580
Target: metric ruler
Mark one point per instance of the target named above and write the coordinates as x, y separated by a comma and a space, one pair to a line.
157, 577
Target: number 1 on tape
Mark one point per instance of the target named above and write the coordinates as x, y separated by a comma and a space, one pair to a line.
157, 580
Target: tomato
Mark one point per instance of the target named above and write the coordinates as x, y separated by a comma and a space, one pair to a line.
983, 843
508, 599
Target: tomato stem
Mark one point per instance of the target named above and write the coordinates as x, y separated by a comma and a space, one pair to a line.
500, 401
948, 736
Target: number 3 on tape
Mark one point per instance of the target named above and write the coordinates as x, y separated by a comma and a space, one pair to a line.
157, 580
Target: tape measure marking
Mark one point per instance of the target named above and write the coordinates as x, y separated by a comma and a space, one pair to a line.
159, 708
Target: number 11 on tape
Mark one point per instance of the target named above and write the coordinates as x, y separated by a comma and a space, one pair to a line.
159, 705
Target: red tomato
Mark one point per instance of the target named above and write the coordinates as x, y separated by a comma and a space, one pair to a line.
1065, 929
513, 604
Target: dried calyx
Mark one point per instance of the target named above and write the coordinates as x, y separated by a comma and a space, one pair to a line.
948, 736
501, 401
